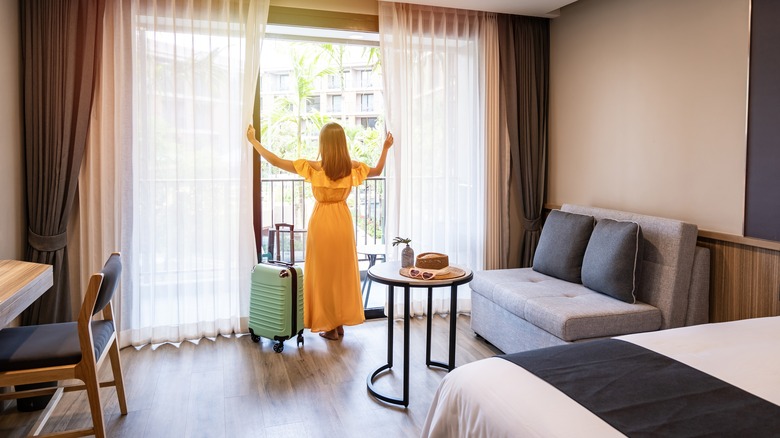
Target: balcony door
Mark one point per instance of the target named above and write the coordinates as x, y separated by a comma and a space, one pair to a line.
310, 77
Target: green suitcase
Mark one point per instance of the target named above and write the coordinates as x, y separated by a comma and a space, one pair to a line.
276, 303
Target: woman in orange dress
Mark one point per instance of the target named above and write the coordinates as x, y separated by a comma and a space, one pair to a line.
331, 280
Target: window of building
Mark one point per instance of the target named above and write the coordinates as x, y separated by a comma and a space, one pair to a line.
313, 103
335, 103
366, 78
367, 122
277, 81
335, 82
366, 102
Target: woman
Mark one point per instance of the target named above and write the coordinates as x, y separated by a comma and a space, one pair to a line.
331, 282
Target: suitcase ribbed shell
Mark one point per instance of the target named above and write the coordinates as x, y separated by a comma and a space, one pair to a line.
270, 302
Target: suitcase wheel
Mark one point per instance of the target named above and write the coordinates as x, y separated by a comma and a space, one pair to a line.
299, 340
253, 336
278, 347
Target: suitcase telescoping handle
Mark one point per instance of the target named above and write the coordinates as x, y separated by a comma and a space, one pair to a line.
291, 227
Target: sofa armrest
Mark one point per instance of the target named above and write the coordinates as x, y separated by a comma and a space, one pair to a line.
699, 292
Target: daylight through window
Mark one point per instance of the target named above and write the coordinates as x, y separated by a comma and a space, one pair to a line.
303, 86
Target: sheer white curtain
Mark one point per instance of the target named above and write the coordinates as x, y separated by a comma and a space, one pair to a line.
435, 85
105, 178
183, 180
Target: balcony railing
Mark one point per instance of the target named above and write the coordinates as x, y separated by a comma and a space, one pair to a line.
290, 200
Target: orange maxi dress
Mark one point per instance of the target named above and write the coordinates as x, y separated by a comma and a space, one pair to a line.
331, 279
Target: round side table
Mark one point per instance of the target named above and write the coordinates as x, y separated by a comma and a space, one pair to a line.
389, 274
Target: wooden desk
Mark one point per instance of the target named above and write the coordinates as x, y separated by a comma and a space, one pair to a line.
21, 283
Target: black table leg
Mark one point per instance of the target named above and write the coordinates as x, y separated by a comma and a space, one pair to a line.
429, 317
407, 329
453, 325
390, 317
371, 377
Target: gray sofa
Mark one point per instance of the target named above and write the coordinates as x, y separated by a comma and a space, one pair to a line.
522, 309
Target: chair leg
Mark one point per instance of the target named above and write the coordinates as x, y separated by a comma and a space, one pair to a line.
119, 380
95, 406
44, 417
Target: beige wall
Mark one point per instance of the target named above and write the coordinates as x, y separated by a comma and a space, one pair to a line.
12, 215
647, 108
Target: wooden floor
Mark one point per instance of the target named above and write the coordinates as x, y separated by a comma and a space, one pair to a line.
232, 387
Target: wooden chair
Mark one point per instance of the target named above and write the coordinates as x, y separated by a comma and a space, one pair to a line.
65, 351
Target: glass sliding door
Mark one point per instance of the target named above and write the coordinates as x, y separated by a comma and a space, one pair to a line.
305, 82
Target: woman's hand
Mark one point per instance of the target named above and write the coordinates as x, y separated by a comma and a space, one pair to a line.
388, 140
250, 133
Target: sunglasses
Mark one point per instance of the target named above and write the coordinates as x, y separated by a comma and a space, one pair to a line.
425, 275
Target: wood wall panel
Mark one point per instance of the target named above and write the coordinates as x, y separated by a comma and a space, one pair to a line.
744, 280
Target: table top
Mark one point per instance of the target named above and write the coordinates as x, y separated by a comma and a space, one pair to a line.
389, 273
21, 283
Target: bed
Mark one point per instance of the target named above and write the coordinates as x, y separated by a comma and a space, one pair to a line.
496, 398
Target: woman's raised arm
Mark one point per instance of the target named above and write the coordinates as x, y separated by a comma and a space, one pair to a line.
271, 157
380, 165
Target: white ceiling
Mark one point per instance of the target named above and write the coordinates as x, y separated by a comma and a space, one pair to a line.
537, 8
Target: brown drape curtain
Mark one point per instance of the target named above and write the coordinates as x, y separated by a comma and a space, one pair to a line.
60, 51
524, 50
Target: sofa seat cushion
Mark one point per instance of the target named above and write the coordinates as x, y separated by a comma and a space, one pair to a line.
567, 310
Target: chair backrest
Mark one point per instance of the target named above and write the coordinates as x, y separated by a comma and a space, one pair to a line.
111, 271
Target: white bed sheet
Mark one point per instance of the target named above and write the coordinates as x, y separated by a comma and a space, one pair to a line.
496, 398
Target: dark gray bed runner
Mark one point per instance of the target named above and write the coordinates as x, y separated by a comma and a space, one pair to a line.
643, 393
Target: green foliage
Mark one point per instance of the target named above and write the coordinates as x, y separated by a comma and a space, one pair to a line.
368, 225
374, 58
290, 126
400, 240
291, 130
364, 143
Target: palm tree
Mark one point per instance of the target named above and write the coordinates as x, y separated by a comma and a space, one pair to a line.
291, 127
374, 58
306, 68
336, 54
277, 130
364, 143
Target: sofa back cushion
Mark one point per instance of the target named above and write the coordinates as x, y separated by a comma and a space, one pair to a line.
669, 247
613, 259
562, 245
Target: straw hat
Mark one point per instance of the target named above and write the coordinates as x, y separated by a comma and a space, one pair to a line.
432, 260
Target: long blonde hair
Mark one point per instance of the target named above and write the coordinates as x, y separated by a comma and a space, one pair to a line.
336, 161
